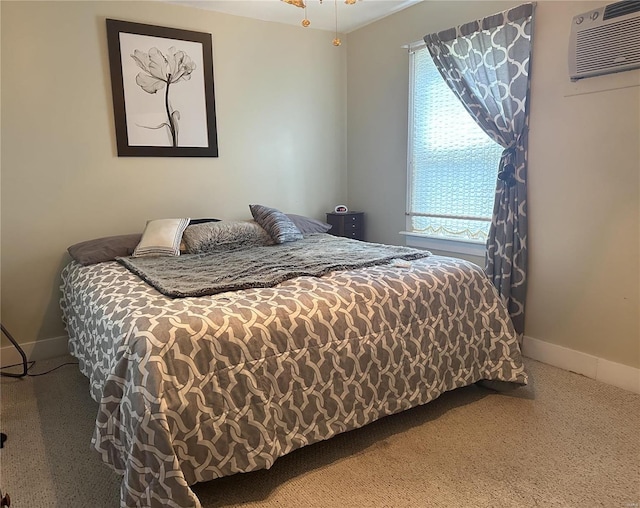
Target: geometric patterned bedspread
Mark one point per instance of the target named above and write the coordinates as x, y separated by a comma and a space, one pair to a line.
194, 389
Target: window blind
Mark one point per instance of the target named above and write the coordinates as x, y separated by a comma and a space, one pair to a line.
453, 164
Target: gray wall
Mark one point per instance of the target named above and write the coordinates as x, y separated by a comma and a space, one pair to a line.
281, 113
283, 99
583, 173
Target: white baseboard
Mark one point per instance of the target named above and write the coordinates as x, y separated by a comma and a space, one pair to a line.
38, 350
606, 371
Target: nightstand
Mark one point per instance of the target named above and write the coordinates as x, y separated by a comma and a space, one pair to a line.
349, 224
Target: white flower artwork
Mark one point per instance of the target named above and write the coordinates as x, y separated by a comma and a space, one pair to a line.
162, 90
160, 72
159, 91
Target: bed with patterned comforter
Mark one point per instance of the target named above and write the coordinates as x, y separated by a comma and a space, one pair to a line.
192, 389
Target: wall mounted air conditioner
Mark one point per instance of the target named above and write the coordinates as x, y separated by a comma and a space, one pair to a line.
605, 40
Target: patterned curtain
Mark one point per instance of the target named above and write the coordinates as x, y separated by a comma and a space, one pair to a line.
486, 64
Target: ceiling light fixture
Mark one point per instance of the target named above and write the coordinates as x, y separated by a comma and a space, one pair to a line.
306, 22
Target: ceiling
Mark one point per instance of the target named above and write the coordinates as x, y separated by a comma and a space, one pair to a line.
322, 16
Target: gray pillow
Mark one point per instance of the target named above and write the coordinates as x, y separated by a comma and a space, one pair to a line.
307, 225
280, 227
224, 235
104, 249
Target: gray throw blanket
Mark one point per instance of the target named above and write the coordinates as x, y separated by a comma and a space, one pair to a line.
260, 267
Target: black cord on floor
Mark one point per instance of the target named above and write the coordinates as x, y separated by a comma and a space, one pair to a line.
19, 349
51, 370
26, 366
29, 366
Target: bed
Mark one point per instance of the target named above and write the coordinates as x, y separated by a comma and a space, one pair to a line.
195, 388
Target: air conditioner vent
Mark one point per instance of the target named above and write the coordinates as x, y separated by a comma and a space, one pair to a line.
605, 40
621, 9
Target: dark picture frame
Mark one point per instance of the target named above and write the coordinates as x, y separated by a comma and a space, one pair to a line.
163, 90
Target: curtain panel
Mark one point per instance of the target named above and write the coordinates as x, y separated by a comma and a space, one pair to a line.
487, 65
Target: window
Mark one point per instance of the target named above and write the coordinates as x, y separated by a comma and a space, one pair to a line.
453, 164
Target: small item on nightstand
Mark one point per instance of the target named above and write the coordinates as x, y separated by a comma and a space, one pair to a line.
341, 209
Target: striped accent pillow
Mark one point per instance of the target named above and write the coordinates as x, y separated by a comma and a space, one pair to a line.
161, 237
280, 227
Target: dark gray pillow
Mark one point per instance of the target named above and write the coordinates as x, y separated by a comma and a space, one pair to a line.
104, 249
307, 225
280, 227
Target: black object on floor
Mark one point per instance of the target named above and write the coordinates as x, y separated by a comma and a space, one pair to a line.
17, 346
3, 438
5, 500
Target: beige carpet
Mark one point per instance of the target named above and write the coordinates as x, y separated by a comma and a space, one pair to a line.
564, 441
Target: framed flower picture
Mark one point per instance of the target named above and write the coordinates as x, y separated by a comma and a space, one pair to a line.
162, 86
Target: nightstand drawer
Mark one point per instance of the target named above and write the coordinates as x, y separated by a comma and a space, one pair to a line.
349, 225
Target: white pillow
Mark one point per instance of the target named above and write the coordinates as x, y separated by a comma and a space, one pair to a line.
161, 237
